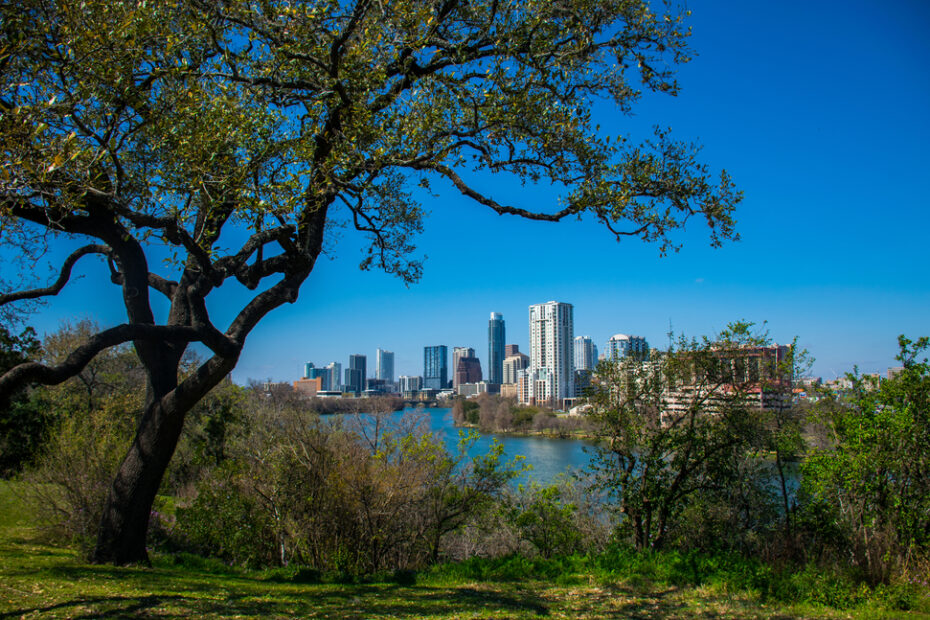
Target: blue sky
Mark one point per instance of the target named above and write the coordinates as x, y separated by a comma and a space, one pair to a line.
821, 113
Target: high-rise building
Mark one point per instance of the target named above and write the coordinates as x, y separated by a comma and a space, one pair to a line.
384, 365
356, 373
467, 370
585, 353
436, 367
312, 372
323, 375
550, 377
511, 349
335, 375
457, 354
410, 384
496, 337
513, 364
622, 345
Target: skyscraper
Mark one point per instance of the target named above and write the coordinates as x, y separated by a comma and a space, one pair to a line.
457, 354
585, 353
550, 377
622, 345
496, 348
513, 364
335, 379
410, 384
356, 373
467, 370
384, 365
435, 367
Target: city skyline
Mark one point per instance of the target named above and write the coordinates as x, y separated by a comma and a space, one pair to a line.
820, 120
459, 351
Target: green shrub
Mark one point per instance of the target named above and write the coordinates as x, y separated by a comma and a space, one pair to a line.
70, 484
223, 522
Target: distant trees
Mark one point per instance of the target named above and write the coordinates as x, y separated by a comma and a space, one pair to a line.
236, 135
492, 413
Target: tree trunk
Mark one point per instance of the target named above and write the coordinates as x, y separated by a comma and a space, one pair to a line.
124, 523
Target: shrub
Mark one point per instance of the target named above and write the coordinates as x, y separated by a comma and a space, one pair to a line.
340, 497
225, 523
74, 474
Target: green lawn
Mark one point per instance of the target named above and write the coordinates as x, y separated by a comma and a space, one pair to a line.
41, 580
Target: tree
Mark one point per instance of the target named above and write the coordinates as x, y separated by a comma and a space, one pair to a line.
23, 425
873, 476
174, 122
676, 430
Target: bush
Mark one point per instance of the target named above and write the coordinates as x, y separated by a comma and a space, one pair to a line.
348, 496
72, 480
872, 480
225, 523
559, 519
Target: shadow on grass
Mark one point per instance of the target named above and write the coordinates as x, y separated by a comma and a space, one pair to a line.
625, 601
245, 598
207, 595
102, 607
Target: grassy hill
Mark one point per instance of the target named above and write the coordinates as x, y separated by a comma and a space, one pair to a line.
38, 579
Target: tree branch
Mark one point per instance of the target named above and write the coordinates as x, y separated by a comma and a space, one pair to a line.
63, 278
500, 209
35, 372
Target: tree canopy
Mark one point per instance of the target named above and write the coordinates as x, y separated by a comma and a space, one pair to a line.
129, 123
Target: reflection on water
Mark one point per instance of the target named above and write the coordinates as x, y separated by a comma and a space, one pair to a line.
548, 457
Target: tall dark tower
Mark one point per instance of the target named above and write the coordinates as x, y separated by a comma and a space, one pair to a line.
496, 337
356, 373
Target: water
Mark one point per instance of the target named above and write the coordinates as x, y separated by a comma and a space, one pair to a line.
548, 457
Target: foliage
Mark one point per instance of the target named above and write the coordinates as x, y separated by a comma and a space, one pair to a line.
222, 522
73, 476
615, 583
24, 422
873, 478
546, 520
495, 414
114, 371
344, 496
208, 429
678, 435
94, 415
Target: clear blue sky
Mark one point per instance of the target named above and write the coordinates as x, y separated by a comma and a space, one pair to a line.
821, 113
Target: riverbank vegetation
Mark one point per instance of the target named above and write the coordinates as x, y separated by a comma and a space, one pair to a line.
679, 508
491, 413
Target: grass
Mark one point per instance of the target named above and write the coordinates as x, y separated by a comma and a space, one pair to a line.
38, 579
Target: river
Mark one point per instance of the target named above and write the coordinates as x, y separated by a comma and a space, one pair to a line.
548, 457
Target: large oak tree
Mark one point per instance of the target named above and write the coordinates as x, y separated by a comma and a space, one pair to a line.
126, 124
